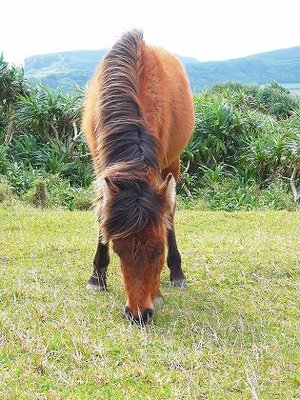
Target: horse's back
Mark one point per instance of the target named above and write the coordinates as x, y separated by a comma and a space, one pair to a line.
89, 112
166, 101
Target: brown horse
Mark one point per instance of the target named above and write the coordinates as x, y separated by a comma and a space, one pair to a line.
138, 117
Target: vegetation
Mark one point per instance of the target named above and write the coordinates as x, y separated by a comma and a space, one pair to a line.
245, 151
244, 154
231, 334
12, 86
41, 143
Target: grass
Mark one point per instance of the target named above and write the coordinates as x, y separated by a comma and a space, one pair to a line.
233, 333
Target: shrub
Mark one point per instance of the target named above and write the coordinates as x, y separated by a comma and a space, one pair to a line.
5, 192
64, 195
20, 178
229, 195
244, 152
50, 115
38, 195
246, 133
3, 159
83, 200
277, 197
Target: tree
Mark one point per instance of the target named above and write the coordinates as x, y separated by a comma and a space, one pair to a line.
12, 86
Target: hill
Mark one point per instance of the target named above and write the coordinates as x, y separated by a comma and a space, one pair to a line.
68, 69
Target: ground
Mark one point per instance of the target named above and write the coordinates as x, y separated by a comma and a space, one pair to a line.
233, 333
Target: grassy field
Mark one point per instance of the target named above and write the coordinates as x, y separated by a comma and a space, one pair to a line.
233, 333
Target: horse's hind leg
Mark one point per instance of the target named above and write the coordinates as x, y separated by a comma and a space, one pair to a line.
177, 276
97, 280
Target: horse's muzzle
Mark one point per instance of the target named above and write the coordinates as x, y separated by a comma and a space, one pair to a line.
141, 319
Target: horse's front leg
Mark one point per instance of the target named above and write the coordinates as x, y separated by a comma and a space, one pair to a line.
97, 280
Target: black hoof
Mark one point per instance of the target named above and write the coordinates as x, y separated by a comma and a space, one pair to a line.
141, 319
178, 280
96, 283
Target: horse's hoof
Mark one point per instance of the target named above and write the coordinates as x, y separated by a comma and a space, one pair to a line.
96, 283
179, 282
95, 288
158, 301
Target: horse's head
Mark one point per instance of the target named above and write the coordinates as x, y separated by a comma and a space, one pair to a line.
136, 219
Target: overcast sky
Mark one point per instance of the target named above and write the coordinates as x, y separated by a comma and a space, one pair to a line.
207, 30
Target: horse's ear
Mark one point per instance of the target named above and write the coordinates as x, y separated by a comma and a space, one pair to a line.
168, 191
108, 189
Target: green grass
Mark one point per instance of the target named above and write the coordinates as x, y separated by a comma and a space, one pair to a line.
233, 333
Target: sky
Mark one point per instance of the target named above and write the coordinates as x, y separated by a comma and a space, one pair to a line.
206, 30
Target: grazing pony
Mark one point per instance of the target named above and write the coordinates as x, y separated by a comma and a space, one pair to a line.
138, 117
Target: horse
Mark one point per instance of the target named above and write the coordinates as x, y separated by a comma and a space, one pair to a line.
137, 118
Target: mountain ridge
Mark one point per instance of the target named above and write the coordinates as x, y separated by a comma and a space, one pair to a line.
71, 68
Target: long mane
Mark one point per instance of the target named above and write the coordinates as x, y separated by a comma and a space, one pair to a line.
126, 151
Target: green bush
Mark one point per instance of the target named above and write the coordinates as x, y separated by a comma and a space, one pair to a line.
271, 99
67, 196
83, 200
3, 159
50, 115
5, 192
244, 152
245, 137
21, 178
277, 197
229, 195
38, 195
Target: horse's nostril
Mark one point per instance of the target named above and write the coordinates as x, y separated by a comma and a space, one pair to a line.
141, 319
128, 314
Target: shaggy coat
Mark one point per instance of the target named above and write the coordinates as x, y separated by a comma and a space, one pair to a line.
138, 117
